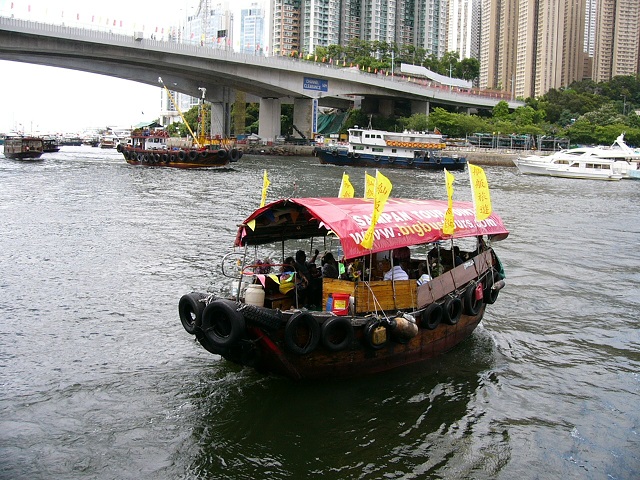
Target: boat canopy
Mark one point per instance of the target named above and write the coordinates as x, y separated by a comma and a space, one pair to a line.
403, 222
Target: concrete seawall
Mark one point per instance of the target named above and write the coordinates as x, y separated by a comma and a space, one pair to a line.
503, 158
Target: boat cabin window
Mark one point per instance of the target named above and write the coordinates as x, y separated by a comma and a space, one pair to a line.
358, 147
376, 149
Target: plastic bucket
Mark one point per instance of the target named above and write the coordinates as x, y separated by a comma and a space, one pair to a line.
341, 303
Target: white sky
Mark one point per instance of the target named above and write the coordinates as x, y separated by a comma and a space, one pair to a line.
42, 99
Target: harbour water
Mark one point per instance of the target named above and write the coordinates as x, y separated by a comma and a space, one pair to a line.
99, 379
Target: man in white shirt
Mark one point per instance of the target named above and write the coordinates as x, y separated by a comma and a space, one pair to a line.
396, 273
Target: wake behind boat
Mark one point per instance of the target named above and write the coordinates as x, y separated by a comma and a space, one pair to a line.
380, 149
594, 163
362, 322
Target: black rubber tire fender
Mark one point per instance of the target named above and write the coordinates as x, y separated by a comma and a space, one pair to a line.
234, 155
431, 316
182, 155
489, 295
302, 325
337, 333
452, 310
193, 155
471, 305
222, 154
190, 308
261, 316
222, 324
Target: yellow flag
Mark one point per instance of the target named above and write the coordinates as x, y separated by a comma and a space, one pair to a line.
480, 192
382, 192
449, 226
369, 185
346, 189
265, 186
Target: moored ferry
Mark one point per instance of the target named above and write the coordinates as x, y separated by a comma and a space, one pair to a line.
380, 149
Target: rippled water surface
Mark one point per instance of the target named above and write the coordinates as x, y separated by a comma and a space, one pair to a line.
99, 379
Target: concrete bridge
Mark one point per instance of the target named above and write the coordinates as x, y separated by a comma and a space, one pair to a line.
186, 67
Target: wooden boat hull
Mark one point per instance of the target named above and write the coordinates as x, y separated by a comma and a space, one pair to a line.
180, 159
302, 344
359, 359
345, 158
26, 156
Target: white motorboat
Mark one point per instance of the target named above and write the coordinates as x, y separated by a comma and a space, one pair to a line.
596, 163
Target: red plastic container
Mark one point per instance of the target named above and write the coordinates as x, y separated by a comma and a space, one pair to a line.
341, 304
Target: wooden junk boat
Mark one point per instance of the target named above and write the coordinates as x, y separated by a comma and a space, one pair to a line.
23, 148
154, 147
365, 324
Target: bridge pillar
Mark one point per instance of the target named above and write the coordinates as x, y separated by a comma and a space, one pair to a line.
219, 114
221, 102
303, 117
269, 118
418, 106
385, 107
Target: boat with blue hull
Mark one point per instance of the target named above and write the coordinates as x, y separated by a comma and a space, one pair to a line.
381, 149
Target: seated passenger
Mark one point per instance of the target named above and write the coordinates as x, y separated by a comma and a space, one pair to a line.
397, 273
329, 266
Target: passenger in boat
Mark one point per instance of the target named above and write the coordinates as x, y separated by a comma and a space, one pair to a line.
423, 276
457, 256
300, 264
329, 266
396, 272
435, 264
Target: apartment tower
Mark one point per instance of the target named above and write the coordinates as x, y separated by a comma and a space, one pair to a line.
617, 39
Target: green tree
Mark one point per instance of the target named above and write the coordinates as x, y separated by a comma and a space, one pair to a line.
501, 110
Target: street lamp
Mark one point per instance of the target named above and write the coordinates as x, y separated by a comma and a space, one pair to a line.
392, 61
624, 104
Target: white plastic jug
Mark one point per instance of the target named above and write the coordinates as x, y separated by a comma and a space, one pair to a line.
254, 295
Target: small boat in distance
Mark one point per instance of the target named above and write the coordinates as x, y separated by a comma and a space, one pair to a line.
107, 141
23, 148
380, 149
50, 145
280, 318
594, 163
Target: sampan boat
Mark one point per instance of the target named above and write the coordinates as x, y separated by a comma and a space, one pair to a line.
358, 324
